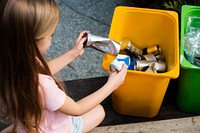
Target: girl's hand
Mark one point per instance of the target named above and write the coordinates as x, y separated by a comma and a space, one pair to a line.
117, 78
78, 46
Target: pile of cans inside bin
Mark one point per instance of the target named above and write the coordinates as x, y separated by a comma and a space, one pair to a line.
148, 59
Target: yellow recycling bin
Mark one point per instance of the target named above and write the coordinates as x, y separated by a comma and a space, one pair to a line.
142, 92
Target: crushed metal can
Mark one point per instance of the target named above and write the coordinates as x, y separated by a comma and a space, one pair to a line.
133, 51
102, 44
141, 65
160, 58
117, 63
160, 67
149, 57
150, 66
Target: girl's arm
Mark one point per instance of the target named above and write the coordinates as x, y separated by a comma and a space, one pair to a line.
86, 104
7, 129
60, 62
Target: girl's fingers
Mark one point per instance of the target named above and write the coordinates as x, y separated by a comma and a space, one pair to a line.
81, 35
82, 40
124, 67
113, 72
123, 70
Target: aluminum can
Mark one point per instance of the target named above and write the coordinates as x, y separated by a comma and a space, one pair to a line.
153, 49
117, 63
126, 44
102, 44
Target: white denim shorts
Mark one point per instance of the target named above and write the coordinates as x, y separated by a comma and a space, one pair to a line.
77, 124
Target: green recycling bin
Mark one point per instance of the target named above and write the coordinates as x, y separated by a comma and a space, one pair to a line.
188, 93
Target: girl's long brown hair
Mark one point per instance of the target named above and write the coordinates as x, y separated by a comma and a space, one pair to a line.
22, 23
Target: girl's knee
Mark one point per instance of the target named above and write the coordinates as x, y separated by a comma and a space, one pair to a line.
101, 111
93, 118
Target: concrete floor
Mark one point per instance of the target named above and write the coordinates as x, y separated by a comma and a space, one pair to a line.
181, 125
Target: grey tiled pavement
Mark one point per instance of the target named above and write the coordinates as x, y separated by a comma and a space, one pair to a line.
76, 16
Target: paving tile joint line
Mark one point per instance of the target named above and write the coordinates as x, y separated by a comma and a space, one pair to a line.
86, 15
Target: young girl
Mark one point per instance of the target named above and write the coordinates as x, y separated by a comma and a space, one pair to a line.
28, 92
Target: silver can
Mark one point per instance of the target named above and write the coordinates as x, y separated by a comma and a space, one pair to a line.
102, 44
149, 57
126, 44
150, 66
